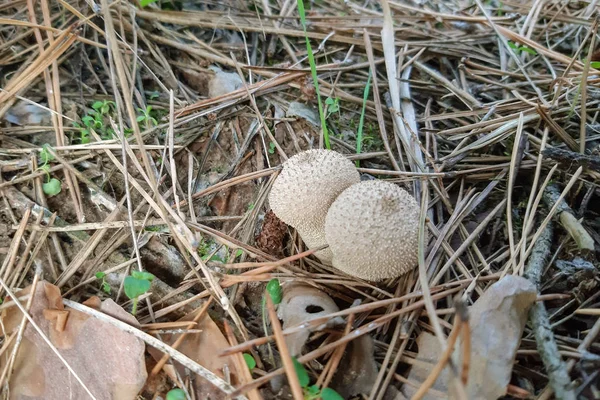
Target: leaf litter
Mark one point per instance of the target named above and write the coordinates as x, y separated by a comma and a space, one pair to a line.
144, 138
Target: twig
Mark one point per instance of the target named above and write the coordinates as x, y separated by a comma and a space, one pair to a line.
584, 240
546, 345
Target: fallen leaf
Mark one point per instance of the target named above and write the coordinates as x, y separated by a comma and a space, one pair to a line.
109, 361
496, 322
270, 238
27, 114
204, 347
223, 82
302, 303
358, 370
303, 111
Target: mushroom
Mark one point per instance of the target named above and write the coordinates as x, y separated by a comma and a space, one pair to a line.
302, 193
372, 229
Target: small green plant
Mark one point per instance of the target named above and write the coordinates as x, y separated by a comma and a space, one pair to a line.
103, 284
313, 72
525, 49
52, 186
271, 148
95, 119
595, 64
136, 285
146, 116
313, 392
333, 106
176, 394
250, 361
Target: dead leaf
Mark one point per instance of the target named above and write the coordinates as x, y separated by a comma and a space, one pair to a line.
109, 361
27, 114
204, 348
496, 321
429, 353
302, 303
359, 370
270, 238
223, 82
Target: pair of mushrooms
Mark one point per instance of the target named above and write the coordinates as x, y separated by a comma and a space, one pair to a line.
371, 227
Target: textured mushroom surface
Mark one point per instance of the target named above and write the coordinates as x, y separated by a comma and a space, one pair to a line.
372, 230
305, 189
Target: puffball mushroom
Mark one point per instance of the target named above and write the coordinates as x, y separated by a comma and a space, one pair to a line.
372, 229
302, 193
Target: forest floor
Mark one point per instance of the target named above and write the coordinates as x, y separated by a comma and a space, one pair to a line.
138, 145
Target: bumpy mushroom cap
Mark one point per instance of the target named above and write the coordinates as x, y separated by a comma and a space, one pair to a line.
372, 229
302, 193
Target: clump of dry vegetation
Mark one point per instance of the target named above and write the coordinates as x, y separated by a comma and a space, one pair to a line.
139, 141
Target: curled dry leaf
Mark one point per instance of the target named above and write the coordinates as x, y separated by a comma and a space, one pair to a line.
204, 347
302, 303
496, 321
109, 361
359, 370
223, 82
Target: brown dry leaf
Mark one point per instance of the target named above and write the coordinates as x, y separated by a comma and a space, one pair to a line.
109, 361
204, 348
270, 238
496, 321
301, 303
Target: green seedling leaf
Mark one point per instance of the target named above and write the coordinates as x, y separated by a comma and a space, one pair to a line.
525, 49
154, 95
88, 121
106, 287
176, 394
140, 118
330, 394
143, 275
595, 64
100, 275
45, 154
333, 105
313, 390
274, 290
97, 105
239, 253
45, 168
271, 148
145, 3
52, 187
250, 361
135, 287
301, 372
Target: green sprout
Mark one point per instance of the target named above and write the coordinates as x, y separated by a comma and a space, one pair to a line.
524, 49
250, 361
136, 285
176, 394
52, 186
333, 106
313, 392
103, 284
146, 116
271, 148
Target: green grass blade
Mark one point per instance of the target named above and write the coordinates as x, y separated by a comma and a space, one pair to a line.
313, 72
361, 123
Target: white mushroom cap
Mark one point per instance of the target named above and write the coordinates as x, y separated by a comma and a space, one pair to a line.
372, 229
302, 193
